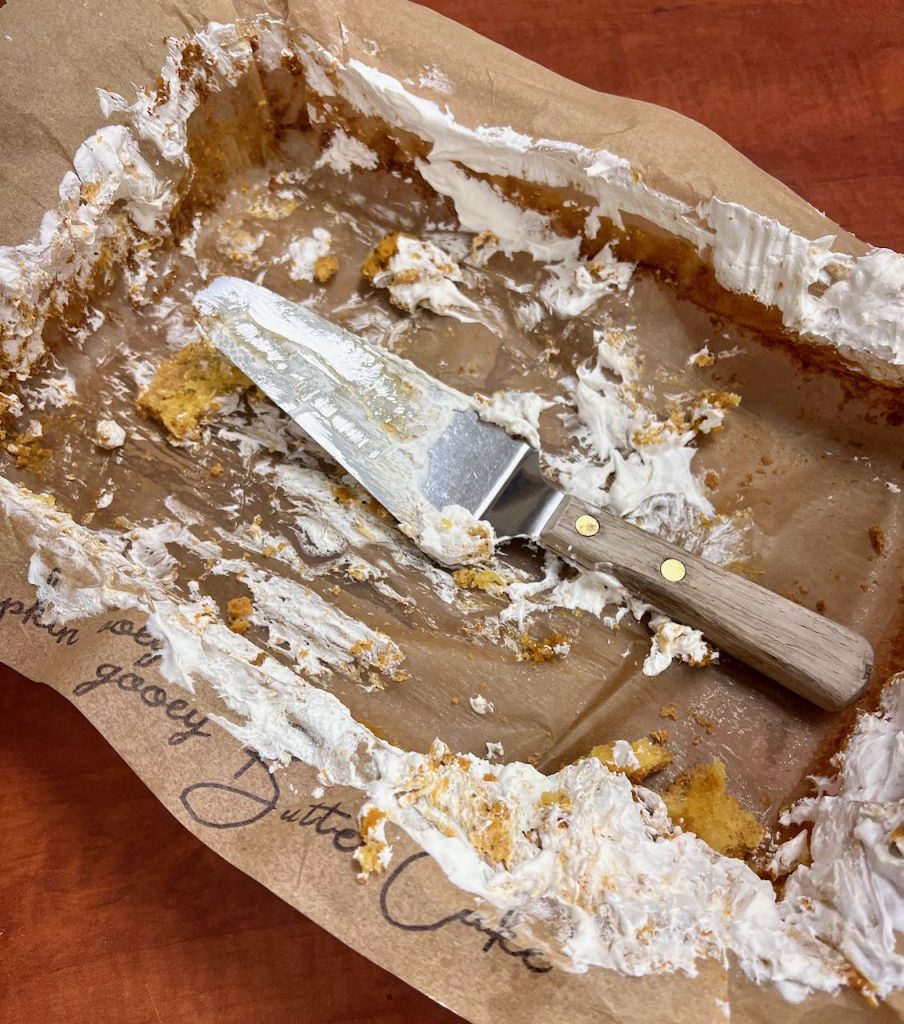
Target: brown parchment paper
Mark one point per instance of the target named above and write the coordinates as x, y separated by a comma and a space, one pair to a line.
414, 922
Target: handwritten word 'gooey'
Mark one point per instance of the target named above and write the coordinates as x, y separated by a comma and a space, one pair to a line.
152, 696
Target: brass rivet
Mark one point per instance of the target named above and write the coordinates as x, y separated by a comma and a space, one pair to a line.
587, 526
673, 570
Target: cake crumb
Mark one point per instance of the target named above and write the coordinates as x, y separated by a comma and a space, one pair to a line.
669, 711
556, 798
216, 469
552, 646
238, 613
378, 258
705, 723
697, 800
189, 387
483, 246
27, 448
648, 757
877, 539
371, 854
478, 579
492, 839
325, 268
703, 358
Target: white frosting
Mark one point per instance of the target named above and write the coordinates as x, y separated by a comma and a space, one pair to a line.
344, 153
108, 434
303, 253
451, 535
573, 286
419, 273
623, 755
852, 894
672, 640
789, 854
853, 303
640, 461
518, 412
480, 705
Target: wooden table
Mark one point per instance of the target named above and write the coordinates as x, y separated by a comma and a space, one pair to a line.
109, 910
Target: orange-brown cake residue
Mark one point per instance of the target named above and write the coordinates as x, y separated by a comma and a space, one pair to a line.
325, 268
478, 579
238, 614
877, 539
368, 855
188, 389
539, 651
697, 801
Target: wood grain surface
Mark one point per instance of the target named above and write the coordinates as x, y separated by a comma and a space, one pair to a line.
110, 913
824, 662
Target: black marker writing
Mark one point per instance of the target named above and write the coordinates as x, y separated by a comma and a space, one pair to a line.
31, 615
224, 805
345, 839
499, 936
326, 820
151, 696
139, 635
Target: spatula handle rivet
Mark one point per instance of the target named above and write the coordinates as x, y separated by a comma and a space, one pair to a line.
673, 569
587, 526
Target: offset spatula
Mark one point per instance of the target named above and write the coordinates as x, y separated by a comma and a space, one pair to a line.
415, 444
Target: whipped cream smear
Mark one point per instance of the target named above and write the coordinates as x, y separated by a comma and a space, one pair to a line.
620, 887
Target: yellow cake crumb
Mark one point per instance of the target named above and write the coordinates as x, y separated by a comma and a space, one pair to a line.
188, 388
28, 450
539, 651
478, 579
697, 801
369, 854
325, 268
238, 613
216, 469
378, 258
493, 838
556, 797
649, 753
669, 711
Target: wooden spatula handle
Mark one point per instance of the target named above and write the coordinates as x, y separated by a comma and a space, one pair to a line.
811, 655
